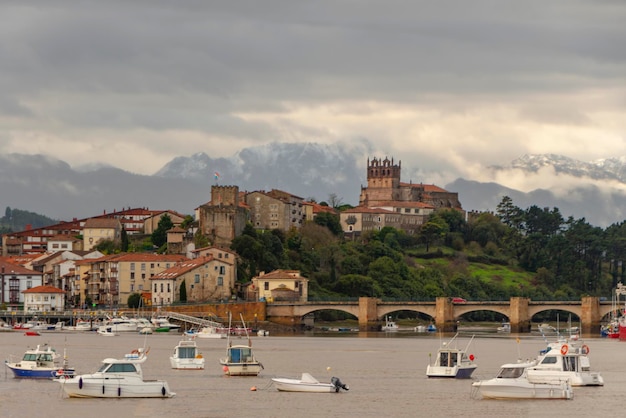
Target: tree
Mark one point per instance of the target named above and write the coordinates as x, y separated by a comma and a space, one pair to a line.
159, 236
334, 201
330, 221
134, 300
124, 241
183, 292
433, 230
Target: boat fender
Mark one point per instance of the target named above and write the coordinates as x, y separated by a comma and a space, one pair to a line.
163, 391
585, 349
119, 391
564, 349
80, 383
103, 389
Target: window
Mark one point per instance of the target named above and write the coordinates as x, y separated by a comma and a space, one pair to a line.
143, 266
222, 270
155, 288
132, 275
196, 278
220, 281
161, 287
266, 286
132, 266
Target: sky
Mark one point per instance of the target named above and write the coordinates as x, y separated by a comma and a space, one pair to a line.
449, 87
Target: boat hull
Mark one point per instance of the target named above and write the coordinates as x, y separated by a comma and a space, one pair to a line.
97, 387
496, 389
187, 363
294, 385
241, 369
462, 372
45, 373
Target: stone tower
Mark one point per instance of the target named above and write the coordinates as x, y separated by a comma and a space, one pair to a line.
383, 181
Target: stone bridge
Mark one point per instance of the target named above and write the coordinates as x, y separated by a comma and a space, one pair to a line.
371, 311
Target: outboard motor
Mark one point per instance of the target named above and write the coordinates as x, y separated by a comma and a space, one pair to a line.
338, 384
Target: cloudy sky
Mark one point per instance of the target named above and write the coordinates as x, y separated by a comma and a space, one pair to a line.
448, 86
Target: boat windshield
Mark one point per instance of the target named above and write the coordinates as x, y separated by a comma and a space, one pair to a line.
510, 372
118, 368
37, 357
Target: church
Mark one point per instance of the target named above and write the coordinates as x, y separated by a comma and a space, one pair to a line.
386, 201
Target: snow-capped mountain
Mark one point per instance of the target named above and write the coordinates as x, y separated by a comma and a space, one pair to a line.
307, 170
51, 187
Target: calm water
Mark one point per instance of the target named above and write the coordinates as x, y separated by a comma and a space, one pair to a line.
386, 375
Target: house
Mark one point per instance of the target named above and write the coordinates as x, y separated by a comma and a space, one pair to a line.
96, 230
151, 223
14, 279
275, 209
44, 299
110, 280
280, 285
205, 279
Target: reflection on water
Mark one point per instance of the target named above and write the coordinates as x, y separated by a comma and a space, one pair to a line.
385, 372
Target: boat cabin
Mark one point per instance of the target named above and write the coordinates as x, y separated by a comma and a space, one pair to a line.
240, 355
450, 358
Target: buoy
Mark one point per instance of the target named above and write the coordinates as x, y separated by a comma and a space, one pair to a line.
471, 357
225, 368
328, 368
163, 391
80, 383
253, 388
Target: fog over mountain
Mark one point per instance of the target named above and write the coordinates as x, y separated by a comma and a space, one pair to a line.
590, 190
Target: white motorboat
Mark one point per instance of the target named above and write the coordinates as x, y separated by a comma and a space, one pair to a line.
210, 332
565, 359
452, 361
390, 326
186, 356
163, 322
512, 382
505, 327
120, 324
117, 378
308, 383
105, 331
240, 360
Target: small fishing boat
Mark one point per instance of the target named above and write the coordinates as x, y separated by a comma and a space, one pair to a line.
41, 362
186, 356
240, 360
512, 382
105, 331
452, 361
390, 326
308, 383
117, 378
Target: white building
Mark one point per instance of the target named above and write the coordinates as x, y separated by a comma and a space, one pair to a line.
44, 299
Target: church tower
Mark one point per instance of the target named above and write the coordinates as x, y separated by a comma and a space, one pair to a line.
383, 181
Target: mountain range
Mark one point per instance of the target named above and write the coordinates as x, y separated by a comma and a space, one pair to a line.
53, 188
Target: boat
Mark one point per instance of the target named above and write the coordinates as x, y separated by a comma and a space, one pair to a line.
209, 332
120, 324
546, 328
505, 327
117, 378
105, 331
431, 328
240, 360
186, 356
41, 362
452, 361
162, 322
512, 382
308, 383
390, 326
565, 359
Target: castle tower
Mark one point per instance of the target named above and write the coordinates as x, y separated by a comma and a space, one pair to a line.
383, 181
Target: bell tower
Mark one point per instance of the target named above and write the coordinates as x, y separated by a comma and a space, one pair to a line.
383, 181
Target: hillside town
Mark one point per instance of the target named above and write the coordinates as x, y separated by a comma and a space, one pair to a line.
57, 267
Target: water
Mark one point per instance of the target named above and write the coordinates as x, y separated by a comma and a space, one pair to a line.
386, 375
